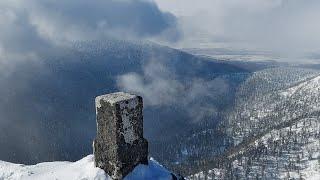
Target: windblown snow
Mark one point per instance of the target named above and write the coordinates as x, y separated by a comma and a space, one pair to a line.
81, 170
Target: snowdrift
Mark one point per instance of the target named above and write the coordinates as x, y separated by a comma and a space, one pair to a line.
81, 170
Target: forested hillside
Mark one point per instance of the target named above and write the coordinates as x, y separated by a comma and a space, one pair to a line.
271, 132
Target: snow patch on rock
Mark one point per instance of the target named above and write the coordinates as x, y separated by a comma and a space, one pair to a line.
113, 98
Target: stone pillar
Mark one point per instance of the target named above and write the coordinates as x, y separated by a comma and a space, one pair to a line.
119, 146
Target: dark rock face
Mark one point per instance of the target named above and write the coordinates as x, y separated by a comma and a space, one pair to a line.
119, 146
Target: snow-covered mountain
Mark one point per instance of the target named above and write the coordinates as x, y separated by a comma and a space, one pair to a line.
200, 113
290, 152
274, 129
80, 170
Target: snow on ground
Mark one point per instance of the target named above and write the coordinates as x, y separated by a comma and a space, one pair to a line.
81, 170
315, 177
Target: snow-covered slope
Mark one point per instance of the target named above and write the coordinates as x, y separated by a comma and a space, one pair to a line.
291, 152
274, 127
81, 170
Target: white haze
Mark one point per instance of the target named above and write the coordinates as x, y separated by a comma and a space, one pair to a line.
160, 87
289, 27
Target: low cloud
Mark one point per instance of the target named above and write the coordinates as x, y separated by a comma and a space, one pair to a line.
29, 28
157, 84
161, 87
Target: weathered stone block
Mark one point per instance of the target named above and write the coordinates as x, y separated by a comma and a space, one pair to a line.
119, 146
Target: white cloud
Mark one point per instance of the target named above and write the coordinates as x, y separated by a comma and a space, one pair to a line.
157, 84
160, 87
287, 26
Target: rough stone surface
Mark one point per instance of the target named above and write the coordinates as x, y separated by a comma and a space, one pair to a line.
119, 146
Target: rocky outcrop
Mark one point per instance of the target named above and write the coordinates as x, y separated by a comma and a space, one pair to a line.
119, 146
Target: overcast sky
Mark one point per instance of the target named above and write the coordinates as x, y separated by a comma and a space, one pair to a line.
288, 26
